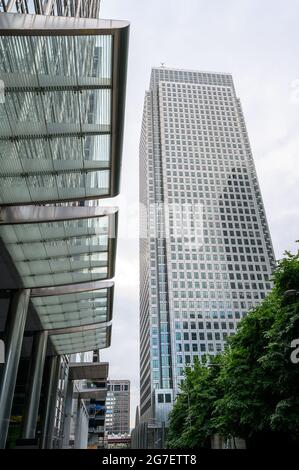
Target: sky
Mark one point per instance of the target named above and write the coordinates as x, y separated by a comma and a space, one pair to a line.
258, 42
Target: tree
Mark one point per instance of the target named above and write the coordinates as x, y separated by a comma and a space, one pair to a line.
248, 396
190, 425
282, 373
252, 388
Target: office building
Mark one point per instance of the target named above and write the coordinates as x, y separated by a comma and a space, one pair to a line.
206, 255
84, 409
63, 73
118, 407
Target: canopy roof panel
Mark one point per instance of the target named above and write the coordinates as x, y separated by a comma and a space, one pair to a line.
77, 317
61, 251
61, 133
61, 123
57, 62
74, 310
71, 343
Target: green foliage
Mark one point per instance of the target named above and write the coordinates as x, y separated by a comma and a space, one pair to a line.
286, 276
190, 425
252, 387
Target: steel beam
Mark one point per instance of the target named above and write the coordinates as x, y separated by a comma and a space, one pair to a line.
32, 214
80, 329
78, 8
71, 288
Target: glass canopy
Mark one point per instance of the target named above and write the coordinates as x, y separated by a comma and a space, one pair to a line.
61, 252
55, 123
61, 132
71, 343
61, 122
73, 310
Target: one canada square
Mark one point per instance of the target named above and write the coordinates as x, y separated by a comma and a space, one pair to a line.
197, 282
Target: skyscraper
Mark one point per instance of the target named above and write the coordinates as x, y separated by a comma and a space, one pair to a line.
205, 251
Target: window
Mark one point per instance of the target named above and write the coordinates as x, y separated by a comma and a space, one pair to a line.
167, 398
160, 398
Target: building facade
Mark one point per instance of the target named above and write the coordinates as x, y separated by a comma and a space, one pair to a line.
63, 87
118, 407
206, 255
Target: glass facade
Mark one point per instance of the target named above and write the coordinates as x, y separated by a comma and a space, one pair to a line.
117, 419
206, 256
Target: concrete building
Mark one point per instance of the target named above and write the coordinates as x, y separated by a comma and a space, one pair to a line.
63, 73
206, 255
118, 407
84, 411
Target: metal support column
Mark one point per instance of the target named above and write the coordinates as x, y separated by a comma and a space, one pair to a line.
68, 414
78, 426
35, 384
81, 428
15, 326
49, 415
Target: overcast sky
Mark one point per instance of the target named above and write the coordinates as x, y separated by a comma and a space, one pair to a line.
255, 40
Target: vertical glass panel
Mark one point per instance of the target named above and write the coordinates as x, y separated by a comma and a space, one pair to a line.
52, 61
94, 59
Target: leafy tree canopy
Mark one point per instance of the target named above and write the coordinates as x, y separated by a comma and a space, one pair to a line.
252, 387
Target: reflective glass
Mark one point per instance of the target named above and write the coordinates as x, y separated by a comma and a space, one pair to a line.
54, 155
55, 122
48, 61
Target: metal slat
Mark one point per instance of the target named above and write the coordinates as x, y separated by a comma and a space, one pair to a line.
10, 5
69, 8
48, 8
